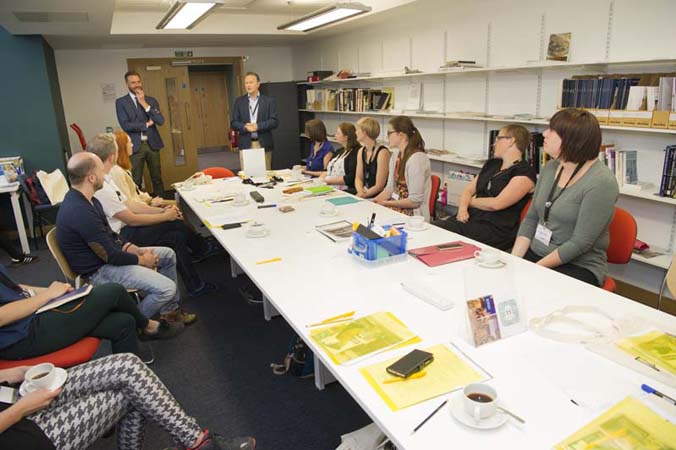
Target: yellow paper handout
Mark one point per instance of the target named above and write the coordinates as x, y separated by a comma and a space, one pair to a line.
368, 335
629, 425
655, 348
446, 373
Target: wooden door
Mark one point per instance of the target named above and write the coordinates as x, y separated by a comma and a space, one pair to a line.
212, 108
170, 85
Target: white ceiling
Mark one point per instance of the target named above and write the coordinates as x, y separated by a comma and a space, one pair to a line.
131, 23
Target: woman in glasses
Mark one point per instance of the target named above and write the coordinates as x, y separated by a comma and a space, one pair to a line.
490, 206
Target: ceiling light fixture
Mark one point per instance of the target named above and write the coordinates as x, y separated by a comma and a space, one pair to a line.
185, 14
326, 16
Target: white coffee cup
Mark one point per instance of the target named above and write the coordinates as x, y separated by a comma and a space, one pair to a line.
416, 222
297, 172
480, 400
41, 376
487, 256
328, 209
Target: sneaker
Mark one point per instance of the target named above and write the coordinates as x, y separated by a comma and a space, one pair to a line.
206, 288
180, 317
25, 259
145, 352
218, 442
167, 330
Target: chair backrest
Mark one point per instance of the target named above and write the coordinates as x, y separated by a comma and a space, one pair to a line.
80, 135
670, 277
59, 256
436, 182
622, 231
218, 172
525, 209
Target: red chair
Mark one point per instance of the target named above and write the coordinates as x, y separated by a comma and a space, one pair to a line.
78, 353
525, 209
218, 172
623, 230
436, 182
80, 135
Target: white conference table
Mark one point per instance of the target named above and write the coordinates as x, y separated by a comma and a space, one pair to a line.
536, 378
13, 191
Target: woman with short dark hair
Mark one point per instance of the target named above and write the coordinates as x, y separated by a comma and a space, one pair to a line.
490, 206
321, 150
566, 228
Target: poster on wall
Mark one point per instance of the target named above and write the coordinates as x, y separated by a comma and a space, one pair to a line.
108, 92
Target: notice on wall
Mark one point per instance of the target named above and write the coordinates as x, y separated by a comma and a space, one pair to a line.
108, 92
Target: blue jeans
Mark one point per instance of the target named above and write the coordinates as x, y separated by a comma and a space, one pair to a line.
159, 287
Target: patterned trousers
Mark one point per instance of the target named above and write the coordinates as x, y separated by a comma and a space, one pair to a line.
118, 389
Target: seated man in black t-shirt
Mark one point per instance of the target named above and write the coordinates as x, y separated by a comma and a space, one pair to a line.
490, 206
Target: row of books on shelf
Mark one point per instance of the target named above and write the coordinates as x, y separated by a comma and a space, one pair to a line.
622, 163
668, 182
348, 99
534, 154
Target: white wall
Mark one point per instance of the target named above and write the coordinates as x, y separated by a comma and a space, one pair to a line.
81, 73
505, 33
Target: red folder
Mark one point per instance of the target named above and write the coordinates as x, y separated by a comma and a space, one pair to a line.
437, 255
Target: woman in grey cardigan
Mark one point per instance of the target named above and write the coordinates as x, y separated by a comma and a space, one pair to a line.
566, 228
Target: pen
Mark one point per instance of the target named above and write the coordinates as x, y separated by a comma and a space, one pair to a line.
267, 206
269, 261
411, 377
429, 417
652, 390
222, 200
373, 220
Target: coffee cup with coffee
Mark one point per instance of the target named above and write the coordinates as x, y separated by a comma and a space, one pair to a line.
41, 376
416, 222
487, 256
480, 400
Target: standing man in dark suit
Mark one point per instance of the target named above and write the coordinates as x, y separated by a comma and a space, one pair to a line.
254, 117
140, 116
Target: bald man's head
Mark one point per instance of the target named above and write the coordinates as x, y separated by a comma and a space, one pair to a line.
83, 164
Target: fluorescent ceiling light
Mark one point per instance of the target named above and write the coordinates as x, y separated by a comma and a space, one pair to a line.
326, 16
185, 14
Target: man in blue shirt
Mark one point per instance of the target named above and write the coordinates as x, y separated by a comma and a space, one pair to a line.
94, 251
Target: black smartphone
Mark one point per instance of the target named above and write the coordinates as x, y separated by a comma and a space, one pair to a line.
257, 196
449, 246
228, 226
411, 363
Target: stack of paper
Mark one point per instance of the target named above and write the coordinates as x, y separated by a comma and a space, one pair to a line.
354, 340
449, 371
368, 438
654, 348
628, 425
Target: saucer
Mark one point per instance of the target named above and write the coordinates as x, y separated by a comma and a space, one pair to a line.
425, 226
61, 376
329, 214
496, 265
458, 412
260, 235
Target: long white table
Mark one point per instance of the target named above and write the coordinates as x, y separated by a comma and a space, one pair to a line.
535, 377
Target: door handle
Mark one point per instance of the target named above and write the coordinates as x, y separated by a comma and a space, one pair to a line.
187, 114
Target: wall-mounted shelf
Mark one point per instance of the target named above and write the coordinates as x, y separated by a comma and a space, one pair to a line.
542, 65
661, 261
455, 116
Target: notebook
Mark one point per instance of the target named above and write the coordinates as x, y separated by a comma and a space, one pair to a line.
65, 298
448, 252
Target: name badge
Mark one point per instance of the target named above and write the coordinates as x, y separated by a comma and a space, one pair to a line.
395, 196
543, 234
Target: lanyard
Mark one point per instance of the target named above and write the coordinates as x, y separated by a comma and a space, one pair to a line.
550, 200
255, 108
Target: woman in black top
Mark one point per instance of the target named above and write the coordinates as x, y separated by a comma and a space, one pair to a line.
490, 206
373, 160
342, 169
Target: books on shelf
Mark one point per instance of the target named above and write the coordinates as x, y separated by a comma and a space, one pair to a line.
668, 183
622, 163
350, 99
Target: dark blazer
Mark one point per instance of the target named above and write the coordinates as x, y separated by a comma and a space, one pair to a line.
133, 121
266, 120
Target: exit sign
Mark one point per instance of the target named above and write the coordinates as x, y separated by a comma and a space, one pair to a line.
183, 53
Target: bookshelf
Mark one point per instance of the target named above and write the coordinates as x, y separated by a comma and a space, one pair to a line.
535, 66
456, 116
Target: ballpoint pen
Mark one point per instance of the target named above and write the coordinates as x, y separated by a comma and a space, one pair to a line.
652, 390
429, 417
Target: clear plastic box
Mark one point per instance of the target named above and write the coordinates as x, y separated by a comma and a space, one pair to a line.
379, 251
